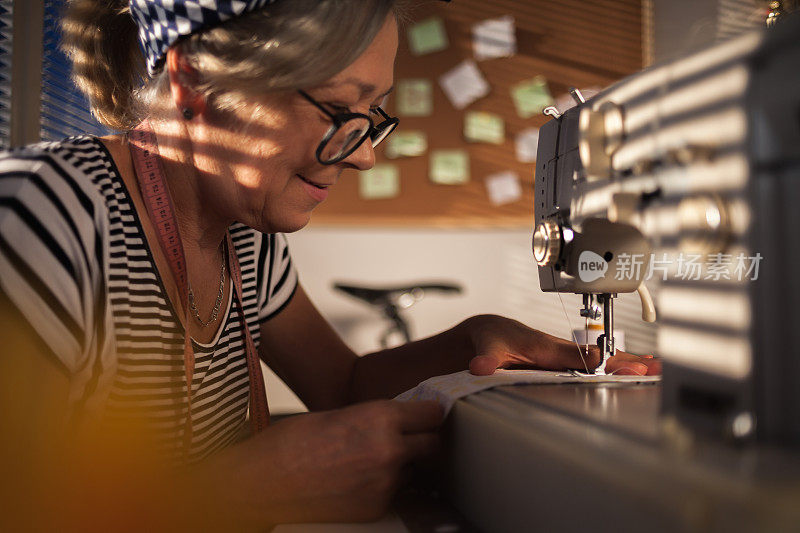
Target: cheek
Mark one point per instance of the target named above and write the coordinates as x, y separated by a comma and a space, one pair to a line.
272, 198
265, 164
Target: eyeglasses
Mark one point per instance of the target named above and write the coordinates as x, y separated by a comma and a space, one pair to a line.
348, 131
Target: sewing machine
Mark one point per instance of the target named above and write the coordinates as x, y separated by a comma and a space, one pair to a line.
689, 171
684, 179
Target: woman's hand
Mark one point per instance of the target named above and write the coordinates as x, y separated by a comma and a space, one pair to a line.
332, 466
627, 364
501, 343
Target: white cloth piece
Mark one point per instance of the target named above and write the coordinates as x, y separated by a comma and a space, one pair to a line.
451, 387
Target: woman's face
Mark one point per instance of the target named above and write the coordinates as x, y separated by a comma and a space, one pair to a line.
276, 178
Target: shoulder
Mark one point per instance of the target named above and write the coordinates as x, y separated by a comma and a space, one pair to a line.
83, 153
73, 170
53, 242
52, 204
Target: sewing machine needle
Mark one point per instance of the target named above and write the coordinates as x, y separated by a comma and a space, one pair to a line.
586, 333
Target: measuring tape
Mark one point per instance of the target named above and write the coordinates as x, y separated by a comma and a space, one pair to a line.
153, 186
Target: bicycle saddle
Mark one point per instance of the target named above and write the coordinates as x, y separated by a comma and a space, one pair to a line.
382, 295
392, 300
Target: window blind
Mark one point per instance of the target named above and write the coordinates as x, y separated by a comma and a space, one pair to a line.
6, 11
65, 111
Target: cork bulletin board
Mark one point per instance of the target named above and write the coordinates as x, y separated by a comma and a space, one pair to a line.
580, 43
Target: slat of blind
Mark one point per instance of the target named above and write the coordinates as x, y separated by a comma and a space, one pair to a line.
65, 111
6, 11
738, 16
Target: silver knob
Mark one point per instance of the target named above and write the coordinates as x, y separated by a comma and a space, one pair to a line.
704, 224
600, 135
547, 243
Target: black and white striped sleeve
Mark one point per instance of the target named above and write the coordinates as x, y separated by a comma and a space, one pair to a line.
277, 276
50, 253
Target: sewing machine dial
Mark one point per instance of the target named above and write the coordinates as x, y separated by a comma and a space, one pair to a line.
547, 243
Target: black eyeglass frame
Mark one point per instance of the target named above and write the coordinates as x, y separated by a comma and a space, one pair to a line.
339, 120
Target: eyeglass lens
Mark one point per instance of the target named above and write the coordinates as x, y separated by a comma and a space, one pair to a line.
345, 139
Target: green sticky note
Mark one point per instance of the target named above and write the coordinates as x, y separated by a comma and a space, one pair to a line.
381, 181
406, 144
427, 36
414, 97
480, 126
531, 96
449, 167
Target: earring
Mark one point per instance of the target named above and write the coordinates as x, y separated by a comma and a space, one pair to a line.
188, 114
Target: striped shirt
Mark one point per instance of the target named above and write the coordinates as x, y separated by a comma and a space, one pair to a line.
75, 264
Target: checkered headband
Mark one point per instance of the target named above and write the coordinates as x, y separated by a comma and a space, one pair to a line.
162, 22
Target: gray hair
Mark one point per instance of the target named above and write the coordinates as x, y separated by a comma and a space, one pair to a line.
288, 45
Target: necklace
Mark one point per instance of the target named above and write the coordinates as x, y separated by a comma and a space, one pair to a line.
217, 304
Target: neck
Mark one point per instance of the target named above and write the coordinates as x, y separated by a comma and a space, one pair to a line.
201, 223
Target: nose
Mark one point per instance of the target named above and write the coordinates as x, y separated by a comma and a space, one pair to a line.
364, 156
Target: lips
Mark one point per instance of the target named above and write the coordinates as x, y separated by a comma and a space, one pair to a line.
317, 191
313, 183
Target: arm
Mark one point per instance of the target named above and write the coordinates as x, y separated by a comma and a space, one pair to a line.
482, 343
332, 466
387, 373
304, 350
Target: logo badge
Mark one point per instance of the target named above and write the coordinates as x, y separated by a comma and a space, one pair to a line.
591, 266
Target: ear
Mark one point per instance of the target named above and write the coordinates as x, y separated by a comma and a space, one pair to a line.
182, 77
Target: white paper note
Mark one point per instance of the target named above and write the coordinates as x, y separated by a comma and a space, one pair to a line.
503, 188
526, 144
494, 38
406, 144
464, 84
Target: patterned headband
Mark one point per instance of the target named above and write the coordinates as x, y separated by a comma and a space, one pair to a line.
162, 22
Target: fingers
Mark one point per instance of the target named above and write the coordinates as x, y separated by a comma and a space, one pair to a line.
624, 363
483, 365
629, 357
653, 367
626, 369
419, 416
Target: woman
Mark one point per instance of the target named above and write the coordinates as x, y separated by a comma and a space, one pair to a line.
246, 116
